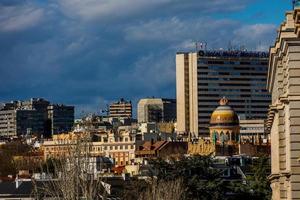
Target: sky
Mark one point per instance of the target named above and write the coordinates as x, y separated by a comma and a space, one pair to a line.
89, 53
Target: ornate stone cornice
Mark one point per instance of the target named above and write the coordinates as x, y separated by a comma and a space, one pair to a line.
274, 177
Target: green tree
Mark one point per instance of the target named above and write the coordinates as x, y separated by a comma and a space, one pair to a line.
203, 181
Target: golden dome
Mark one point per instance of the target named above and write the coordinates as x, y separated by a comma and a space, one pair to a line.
224, 115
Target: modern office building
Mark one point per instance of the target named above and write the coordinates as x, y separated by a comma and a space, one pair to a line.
156, 110
23, 117
32, 117
121, 109
284, 114
204, 77
61, 118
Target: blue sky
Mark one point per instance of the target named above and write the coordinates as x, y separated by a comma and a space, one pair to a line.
88, 53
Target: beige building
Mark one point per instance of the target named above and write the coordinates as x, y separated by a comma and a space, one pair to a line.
156, 110
204, 77
120, 147
224, 133
284, 114
120, 109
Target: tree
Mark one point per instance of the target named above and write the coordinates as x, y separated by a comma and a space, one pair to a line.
164, 190
257, 185
73, 176
201, 180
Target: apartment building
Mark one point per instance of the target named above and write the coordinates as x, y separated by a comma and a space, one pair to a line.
121, 109
119, 147
35, 116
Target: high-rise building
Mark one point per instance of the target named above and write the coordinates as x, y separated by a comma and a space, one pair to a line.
31, 117
204, 77
121, 109
60, 118
284, 114
156, 110
23, 117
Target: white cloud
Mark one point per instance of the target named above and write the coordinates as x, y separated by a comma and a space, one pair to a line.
181, 34
90, 9
118, 9
175, 29
17, 18
257, 36
255, 30
76, 56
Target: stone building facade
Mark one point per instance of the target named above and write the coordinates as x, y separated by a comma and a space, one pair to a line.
284, 113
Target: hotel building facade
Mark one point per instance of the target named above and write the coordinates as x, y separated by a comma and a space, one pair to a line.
204, 77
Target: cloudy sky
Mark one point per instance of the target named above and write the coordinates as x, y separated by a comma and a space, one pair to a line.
88, 53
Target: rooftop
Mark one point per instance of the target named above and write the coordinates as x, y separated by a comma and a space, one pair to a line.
231, 53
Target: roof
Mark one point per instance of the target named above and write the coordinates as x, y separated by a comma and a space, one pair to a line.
154, 146
8, 189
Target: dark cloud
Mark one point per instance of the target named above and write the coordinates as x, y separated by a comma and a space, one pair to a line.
11, 2
91, 52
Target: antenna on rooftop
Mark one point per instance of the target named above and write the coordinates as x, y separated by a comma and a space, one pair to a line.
200, 46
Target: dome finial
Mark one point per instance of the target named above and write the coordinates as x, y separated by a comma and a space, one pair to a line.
224, 101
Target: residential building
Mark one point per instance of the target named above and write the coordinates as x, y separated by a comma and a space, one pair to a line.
121, 109
162, 149
284, 114
60, 118
153, 131
119, 147
35, 116
23, 117
156, 110
253, 130
204, 77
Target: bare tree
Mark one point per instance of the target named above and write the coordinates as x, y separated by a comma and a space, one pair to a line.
164, 190
73, 176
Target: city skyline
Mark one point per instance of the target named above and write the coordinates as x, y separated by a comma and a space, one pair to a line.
90, 53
